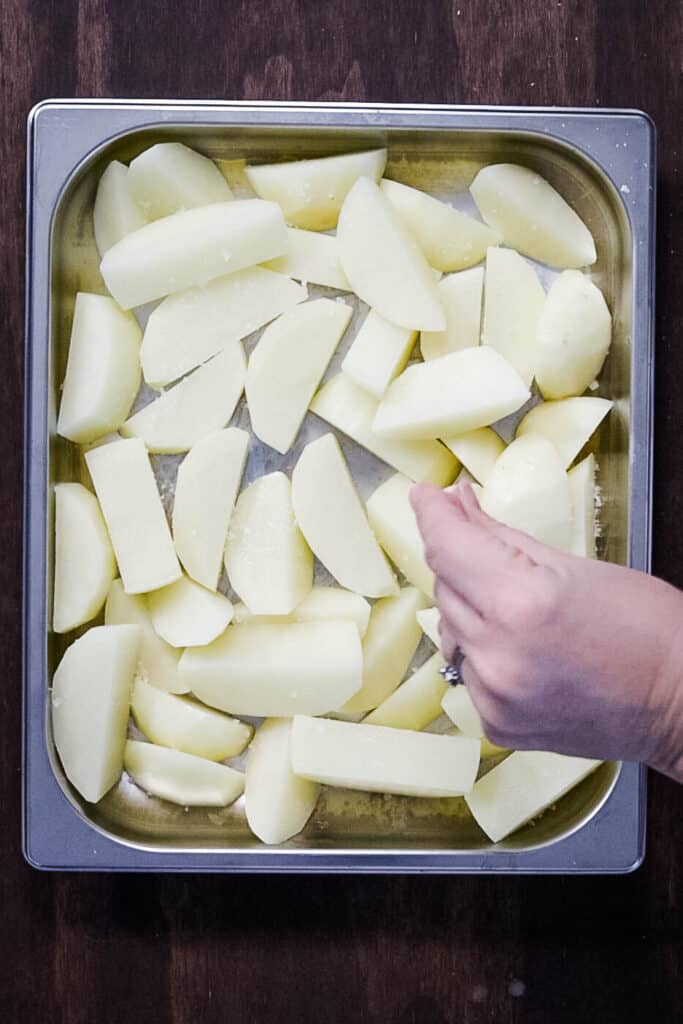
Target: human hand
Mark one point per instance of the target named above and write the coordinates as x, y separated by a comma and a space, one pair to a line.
561, 653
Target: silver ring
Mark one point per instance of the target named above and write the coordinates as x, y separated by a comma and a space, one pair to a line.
452, 672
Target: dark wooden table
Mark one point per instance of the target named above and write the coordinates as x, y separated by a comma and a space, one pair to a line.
102, 950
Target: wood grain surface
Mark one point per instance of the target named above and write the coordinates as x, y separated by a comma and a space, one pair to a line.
103, 950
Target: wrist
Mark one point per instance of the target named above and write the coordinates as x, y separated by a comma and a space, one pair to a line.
667, 755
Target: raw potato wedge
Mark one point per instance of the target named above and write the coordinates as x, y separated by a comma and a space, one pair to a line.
392, 518
532, 216
181, 778
311, 192
513, 300
582, 490
459, 707
461, 296
428, 619
416, 702
170, 177
192, 248
388, 647
267, 559
189, 327
378, 353
331, 516
313, 259
477, 450
521, 787
450, 395
207, 483
198, 405
569, 423
187, 615
350, 409
528, 490
157, 660
84, 558
287, 365
102, 370
187, 725
381, 760
384, 264
449, 239
90, 702
135, 518
277, 802
115, 213
323, 604
277, 670
573, 336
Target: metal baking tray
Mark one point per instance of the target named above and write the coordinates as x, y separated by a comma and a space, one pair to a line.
603, 162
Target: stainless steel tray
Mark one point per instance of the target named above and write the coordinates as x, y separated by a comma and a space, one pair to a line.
604, 163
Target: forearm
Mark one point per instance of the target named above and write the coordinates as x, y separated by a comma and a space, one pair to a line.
667, 755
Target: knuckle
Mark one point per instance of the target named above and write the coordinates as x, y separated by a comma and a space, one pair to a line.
533, 604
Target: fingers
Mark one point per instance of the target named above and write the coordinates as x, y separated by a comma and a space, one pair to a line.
460, 619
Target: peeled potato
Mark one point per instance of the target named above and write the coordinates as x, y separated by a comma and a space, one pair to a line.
287, 366
513, 300
323, 604
384, 264
157, 660
181, 778
573, 336
569, 423
459, 707
344, 405
187, 615
115, 213
449, 239
382, 760
102, 370
528, 490
198, 405
311, 192
333, 520
192, 248
266, 557
582, 490
277, 802
428, 619
379, 352
90, 701
170, 176
477, 450
84, 559
416, 702
460, 296
277, 670
313, 259
393, 520
532, 216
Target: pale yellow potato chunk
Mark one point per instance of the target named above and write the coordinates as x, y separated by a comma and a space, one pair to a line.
416, 702
313, 259
323, 604
513, 301
582, 490
461, 297
378, 353
393, 521
477, 450
115, 213
170, 177
568, 423
459, 707
277, 802
184, 614
181, 778
428, 619
157, 660
84, 558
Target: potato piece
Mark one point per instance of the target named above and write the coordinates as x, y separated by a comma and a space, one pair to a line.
513, 300
569, 423
392, 518
528, 490
379, 352
523, 785
416, 702
187, 725
384, 264
531, 216
331, 516
277, 802
323, 604
382, 760
311, 192
450, 395
573, 336
115, 213
84, 558
192, 248
277, 670
312, 259
189, 327
461, 296
266, 557
582, 491
459, 707
90, 702
157, 660
198, 405
170, 177
428, 620
135, 518
477, 450
102, 370
181, 778
342, 404
187, 615
287, 365
449, 239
